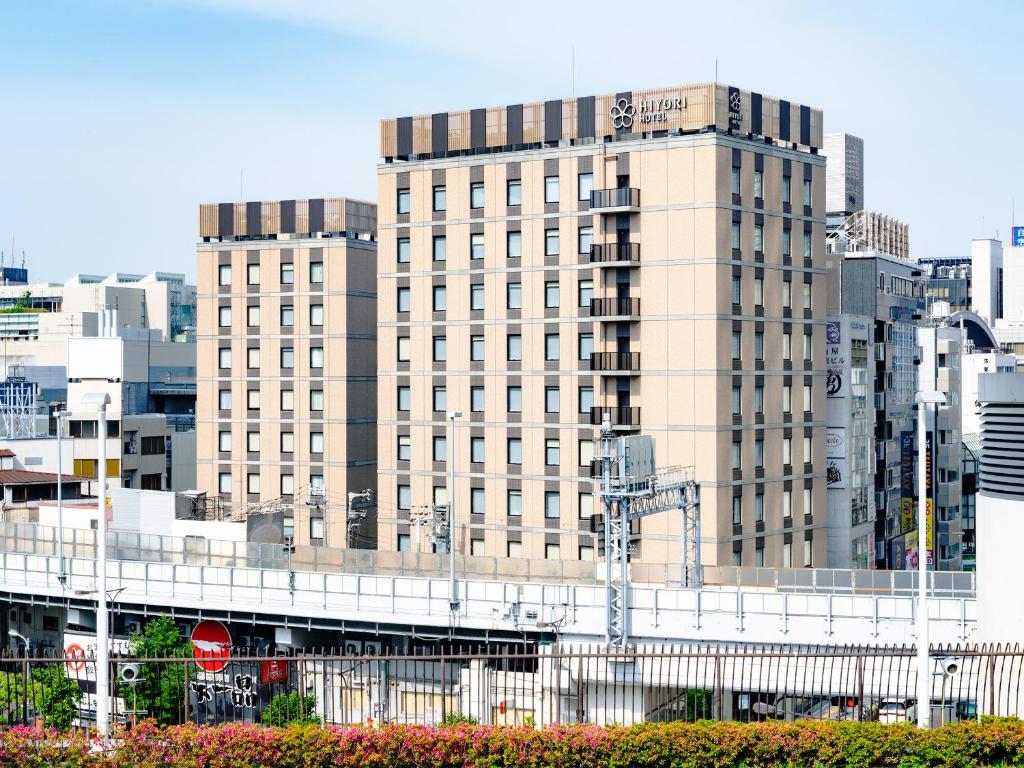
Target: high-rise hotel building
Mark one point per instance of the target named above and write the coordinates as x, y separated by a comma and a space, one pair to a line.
657, 256
286, 363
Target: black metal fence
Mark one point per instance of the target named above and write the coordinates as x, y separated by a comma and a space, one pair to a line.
563, 684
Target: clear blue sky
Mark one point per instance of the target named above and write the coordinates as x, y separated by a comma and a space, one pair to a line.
121, 116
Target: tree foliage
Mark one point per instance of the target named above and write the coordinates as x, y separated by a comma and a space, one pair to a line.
291, 709
53, 697
162, 686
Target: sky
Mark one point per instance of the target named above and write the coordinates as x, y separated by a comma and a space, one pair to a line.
119, 117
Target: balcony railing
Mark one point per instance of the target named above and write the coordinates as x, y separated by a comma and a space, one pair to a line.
615, 252
615, 200
615, 306
615, 361
620, 416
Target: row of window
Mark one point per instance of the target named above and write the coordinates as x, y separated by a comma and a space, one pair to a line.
513, 501
513, 399
513, 347
736, 242
252, 441
736, 453
787, 506
513, 296
787, 399
287, 357
787, 292
787, 186
787, 555
316, 400
478, 548
287, 316
513, 449
253, 485
513, 193
513, 244
287, 274
787, 345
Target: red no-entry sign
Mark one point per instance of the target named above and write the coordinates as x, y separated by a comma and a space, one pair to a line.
211, 645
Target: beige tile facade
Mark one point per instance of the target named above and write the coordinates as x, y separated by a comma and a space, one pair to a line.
286, 370
502, 329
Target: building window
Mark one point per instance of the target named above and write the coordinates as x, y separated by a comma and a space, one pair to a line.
252, 483
586, 505
440, 448
476, 399
758, 345
476, 195
514, 192
316, 442
440, 198
288, 485
551, 346
476, 501
440, 399
586, 239
252, 397
807, 396
404, 299
807, 192
316, 314
787, 346
737, 400
316, 399
404, 397
551, 296
787, 242
758, 292
758, 507
787, 503
440, 248
552, 452
224, 317
787, 398
477, 548
514, 346
807, 501
440, 349
515, 503
224, 357
807, 553
737, 340
252, 316
287, 274
287, 400
807, 245
759, 556
552, 505
585, 186
759, 452
404, 349
737, 510
552, 400
759, 398
807, 449
787, 189
514, 399
287, 315
514, 296
440, 298
585, 449
586, 341
224, 275
476, 450
224, 441
551, 247
807, 346
476, 296
224, 483
476, 348
476, 246
736, 180
404, 497
252, 357
807, 295
404, 250
224, 399
514, 549
316, 357
287, 442
586, 396
758, 184
316, 272
514, 244
734, 238
404, 200
787, 554
758, 238
550, 189
736, 455
736, 287
515, 450
586, 292
787, 451
586, 553
787, 294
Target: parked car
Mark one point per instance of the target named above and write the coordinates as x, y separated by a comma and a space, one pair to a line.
897, 711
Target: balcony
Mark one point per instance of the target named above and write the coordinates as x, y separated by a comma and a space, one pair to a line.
615, 307
625, 363
622, 417
624, 200
615, 254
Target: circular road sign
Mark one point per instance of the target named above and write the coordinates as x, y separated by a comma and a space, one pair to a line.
211, 645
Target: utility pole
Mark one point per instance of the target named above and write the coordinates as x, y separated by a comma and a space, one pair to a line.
453, 586
62, 574
356, 513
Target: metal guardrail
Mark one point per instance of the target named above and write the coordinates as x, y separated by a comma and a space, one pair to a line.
518, 685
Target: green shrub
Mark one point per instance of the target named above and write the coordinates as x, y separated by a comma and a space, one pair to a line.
291, 709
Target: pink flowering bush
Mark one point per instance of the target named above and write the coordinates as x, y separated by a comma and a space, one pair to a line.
669, 745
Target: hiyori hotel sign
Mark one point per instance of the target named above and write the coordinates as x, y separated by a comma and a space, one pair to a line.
625, 112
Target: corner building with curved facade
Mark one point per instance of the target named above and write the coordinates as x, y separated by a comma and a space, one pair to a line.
654, 255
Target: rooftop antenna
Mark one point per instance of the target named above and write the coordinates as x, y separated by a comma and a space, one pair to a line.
572, 66
22, 258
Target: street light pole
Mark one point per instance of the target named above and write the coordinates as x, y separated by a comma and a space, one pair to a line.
453, 587
100, 400
924, 670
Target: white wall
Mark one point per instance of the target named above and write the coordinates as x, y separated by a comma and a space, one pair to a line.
1013, 283
986, 260
971, 366
999, 531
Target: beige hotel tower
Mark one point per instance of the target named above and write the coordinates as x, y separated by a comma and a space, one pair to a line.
657, 256
286, 361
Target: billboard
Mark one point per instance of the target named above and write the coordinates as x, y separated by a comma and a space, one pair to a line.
835, 473
907, 481
835, 361
1017, 237
835, 442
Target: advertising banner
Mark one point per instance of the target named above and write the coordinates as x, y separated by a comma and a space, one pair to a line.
835, 442
907, 522
835, 473
835, 361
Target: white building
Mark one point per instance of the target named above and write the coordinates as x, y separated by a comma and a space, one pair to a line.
988, 280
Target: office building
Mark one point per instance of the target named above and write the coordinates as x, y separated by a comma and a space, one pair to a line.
286, 361
947, 285
844, 177
653, 256
987, 281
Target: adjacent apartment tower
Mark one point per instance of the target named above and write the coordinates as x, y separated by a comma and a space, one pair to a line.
286, 361
656, 257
